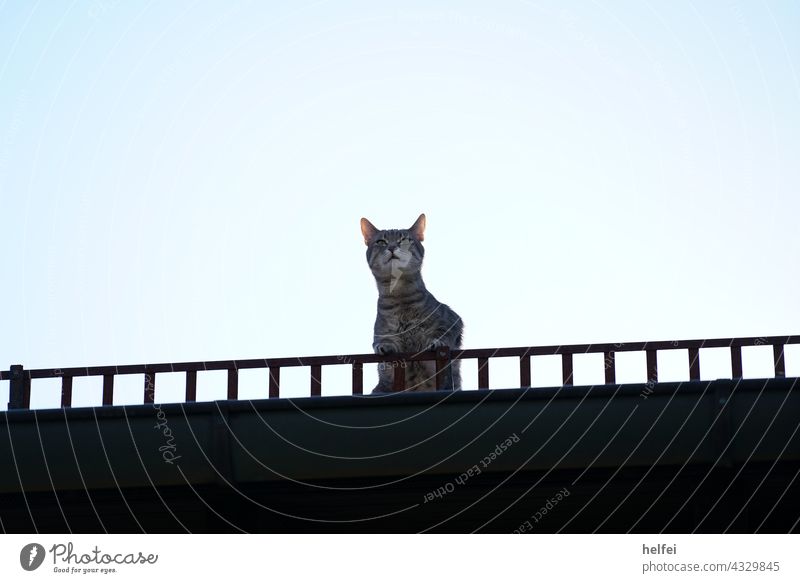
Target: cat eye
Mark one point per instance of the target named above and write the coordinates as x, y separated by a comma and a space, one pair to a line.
381, 242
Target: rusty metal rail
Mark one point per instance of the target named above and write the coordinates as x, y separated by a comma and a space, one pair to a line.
20, 385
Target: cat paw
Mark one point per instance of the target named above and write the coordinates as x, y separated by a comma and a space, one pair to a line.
436, 345
384, 348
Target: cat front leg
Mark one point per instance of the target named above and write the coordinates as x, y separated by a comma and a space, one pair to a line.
452, 376
385, 369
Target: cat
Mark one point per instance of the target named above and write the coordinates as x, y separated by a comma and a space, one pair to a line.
409, 318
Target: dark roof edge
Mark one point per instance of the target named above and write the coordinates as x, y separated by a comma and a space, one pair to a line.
400, 399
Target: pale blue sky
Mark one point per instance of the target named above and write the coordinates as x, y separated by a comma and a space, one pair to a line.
184, 181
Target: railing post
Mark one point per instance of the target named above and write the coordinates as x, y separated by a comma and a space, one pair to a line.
358, 378
483, 373
19, 393
398, 375
233, 382
525, 371
736, 361
66, 391
652, 366
149, 388
274, 382
108, 389
316, 380
694, 364
191, 386
777, 359
610, 367
443, 371
566, 369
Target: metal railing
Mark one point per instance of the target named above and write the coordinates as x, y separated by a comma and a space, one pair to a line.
20, 385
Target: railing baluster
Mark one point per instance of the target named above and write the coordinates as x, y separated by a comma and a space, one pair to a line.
483, 373
149, 387
316, 380
694, 364
66, 391
610, 366
274, 382
19, 391
108, 389
736, 361
191, 386
777, 359
233, 382
399, 375
525, 371
358, 378
566, 368
442, 362
652, 366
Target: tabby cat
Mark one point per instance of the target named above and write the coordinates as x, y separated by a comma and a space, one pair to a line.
409, 318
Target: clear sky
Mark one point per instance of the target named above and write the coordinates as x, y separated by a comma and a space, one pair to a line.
184, 181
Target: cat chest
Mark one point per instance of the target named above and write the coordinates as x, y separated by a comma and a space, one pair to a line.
403, 322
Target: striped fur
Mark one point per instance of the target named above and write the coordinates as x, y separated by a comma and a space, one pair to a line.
409, 318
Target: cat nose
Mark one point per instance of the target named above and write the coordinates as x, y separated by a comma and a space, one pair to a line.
392, 248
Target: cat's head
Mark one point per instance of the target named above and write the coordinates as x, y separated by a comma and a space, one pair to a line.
394, 252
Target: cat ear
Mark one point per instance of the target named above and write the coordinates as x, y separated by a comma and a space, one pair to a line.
418, 228
368, 230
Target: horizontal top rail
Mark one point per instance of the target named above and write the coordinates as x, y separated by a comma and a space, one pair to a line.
20, 378
43, 373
